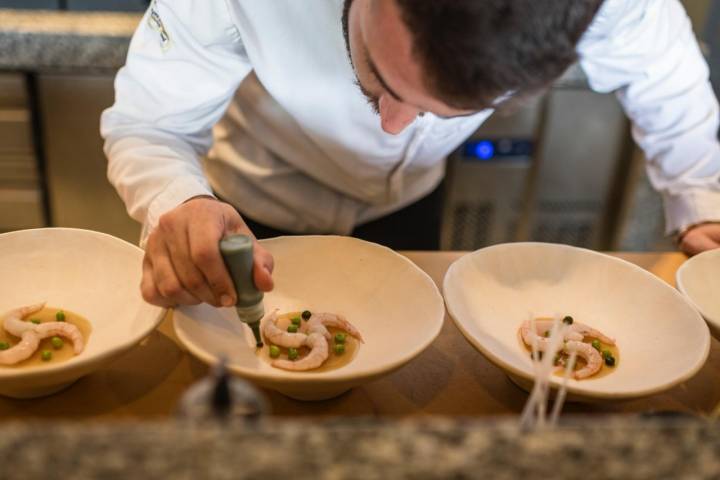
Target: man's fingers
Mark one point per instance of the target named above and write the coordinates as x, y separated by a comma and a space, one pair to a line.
263, 262
190, 276
147, 287
205, 254
183, 261
696, 241
263, 266
166, 281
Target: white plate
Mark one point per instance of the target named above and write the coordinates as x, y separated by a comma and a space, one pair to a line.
92, 274
394, 304
661, 338
699, 279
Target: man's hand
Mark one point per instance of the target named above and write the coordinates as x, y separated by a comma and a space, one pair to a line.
705, 236
183, 265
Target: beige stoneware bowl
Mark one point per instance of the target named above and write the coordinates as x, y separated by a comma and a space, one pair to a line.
89, 273
699, 279
662, 339
394, 304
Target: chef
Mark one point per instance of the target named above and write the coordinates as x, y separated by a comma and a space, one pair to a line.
335, 116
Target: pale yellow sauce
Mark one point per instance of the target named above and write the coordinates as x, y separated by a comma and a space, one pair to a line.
333, 361
63, 354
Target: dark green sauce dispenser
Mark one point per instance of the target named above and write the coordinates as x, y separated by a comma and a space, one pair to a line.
237, 252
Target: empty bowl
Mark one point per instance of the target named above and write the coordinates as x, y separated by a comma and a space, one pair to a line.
661, 338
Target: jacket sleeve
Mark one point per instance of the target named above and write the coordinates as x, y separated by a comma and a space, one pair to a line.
646, 52
184, 64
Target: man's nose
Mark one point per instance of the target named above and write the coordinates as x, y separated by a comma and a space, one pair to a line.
394, 115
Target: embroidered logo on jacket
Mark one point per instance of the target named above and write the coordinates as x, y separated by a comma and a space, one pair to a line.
156, 24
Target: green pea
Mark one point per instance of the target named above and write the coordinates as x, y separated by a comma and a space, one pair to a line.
610, 361
4, 345
606, 353
60, 316
295, 320
46, 355
274, 351
293, 354
340, 338
339, 348
57, 343
306, 315
36, 321
596, 345
568, 319
292, 328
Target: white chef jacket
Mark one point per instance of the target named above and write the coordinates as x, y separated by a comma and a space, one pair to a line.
297, 146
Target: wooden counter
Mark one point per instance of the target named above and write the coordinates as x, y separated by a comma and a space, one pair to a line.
449, 378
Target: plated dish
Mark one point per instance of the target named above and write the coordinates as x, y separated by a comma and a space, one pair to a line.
586, 351
83, 274
35, 334
491, 292
306, 341
395, 307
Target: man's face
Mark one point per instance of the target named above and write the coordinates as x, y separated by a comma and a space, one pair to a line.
380, 49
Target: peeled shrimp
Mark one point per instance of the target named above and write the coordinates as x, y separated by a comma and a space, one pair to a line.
22, 351
591, 356
13, 321
274, 335
62, 329
541, 326
580, 331
575, 332
319, 351
317, 341
319, 322
31, 334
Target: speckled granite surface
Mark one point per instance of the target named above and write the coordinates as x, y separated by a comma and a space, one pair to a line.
588, 449
46, 40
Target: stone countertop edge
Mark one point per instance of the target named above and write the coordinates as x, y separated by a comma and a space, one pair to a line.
590, 448
40, 40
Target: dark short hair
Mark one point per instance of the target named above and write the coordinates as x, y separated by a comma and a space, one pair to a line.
474, 52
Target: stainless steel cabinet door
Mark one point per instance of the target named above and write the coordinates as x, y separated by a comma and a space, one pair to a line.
20, 193
80, 194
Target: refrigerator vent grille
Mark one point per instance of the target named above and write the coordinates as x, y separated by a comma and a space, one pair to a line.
472, 223
576, 233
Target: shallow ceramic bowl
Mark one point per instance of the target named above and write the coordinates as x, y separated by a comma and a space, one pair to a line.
92, 274
393, 303
661, 338
699, 279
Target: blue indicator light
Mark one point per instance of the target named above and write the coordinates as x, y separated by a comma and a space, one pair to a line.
484, 150
502, 149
